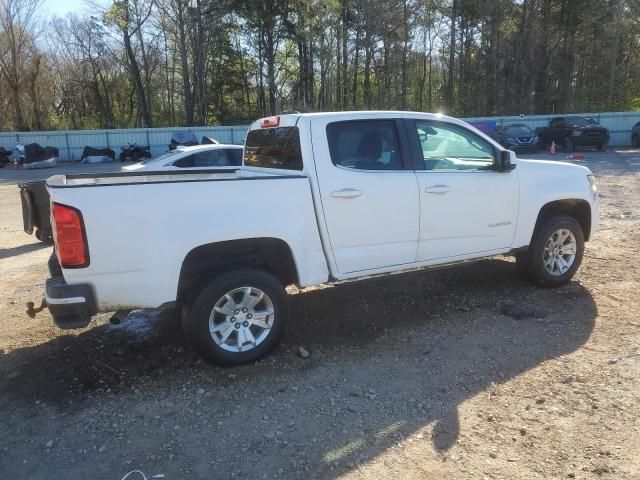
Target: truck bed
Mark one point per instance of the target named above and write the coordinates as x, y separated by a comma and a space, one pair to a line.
140, 226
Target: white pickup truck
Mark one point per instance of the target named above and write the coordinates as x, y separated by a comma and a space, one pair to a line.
327, 197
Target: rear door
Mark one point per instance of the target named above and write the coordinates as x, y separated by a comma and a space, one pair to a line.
368, 190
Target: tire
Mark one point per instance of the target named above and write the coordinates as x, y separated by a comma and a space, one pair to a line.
568, 145
603, 146
532, 263
135, 157
122, 157
231, 323
635, 140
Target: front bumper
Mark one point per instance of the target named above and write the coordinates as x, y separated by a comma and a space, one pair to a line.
71, 306
590, 140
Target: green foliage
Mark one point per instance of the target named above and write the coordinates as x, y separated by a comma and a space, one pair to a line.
229, 61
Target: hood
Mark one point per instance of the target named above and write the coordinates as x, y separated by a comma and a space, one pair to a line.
552, 167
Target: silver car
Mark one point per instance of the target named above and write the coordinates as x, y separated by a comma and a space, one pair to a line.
215, 156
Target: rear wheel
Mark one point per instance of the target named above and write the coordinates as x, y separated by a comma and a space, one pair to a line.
239, 317
555, 252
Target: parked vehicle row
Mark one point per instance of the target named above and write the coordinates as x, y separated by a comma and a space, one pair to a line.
321, 198
564, 132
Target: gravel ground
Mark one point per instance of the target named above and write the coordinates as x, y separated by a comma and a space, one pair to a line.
417, 375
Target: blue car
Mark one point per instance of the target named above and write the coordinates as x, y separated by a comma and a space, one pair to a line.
517, 137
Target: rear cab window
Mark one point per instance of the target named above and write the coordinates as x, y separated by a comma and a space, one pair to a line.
275, 147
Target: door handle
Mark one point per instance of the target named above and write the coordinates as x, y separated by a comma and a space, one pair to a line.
346, 193
437, 189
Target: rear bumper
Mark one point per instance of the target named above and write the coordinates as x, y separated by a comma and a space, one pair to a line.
71, 306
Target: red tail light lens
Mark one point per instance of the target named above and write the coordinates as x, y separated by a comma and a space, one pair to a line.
71, 242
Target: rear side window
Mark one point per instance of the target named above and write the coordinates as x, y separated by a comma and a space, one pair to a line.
235, 155
208, 158
274, 148
365, 145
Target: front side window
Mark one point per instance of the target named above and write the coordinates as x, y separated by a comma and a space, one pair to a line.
274, 148
364, 145
450, 147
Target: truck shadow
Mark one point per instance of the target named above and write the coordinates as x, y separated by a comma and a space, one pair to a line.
389, 357
22, 249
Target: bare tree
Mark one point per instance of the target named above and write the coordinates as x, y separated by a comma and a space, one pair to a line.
20, 60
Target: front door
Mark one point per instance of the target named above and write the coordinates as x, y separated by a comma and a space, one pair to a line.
369, 193
467, 207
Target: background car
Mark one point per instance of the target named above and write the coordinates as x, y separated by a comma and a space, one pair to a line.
517, 137
574, 131
217, 156
635, 135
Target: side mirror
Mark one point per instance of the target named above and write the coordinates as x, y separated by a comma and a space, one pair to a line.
507, 161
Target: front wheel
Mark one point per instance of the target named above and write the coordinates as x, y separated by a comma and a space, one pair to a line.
238, 318
555, 252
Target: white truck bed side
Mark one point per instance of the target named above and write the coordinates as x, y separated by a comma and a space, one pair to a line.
150, 228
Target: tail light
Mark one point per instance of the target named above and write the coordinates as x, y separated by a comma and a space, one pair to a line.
70, 237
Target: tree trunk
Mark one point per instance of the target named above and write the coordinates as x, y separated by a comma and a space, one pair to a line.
184, 64
405, 47
452, 55
137, 80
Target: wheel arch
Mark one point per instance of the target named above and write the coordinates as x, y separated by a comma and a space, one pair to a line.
272, 254
577, 208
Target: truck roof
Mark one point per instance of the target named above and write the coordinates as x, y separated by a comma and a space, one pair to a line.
291, 119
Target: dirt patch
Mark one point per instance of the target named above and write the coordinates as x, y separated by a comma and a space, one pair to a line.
423, 375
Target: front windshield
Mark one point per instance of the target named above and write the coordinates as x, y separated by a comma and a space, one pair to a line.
581, 121
164, 156
517, 130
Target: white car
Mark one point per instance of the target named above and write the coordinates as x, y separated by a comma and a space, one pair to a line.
218, 156
321, 198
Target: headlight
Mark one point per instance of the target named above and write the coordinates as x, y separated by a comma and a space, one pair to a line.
592, 182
